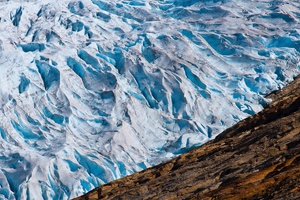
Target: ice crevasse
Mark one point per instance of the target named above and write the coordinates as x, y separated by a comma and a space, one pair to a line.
94, 90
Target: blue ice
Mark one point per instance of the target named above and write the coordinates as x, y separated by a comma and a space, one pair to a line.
16, 16
88, 59
24, 83
55, 117
103, 16
24, 131
30, 47
76, 67
3, 134
75, 7
77, 26
49, 74
92, 167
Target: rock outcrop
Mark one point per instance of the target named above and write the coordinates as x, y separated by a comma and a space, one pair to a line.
258, 158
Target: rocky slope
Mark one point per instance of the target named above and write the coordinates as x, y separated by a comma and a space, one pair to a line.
258, 158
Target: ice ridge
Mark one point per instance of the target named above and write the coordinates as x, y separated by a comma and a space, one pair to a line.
94, 90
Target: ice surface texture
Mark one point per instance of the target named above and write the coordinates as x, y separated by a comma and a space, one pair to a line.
94, 90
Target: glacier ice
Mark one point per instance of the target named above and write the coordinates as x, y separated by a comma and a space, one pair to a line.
94, 90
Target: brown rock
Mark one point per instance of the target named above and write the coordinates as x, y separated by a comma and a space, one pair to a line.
258, 158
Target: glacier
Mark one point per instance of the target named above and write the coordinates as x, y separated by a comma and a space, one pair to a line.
94, 90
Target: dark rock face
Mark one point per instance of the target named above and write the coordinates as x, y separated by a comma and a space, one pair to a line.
258, 158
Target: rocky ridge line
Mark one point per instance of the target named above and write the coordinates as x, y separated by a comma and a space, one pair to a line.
258, 158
